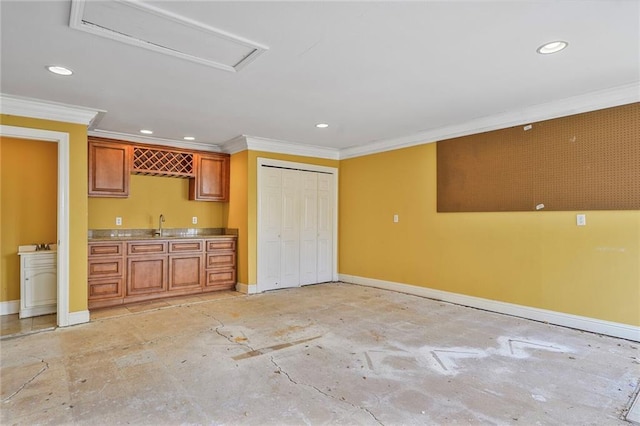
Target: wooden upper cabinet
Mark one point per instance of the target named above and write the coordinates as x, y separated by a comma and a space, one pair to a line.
109, 169
211, 182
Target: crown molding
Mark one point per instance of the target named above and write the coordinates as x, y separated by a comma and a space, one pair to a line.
616, 96
46, 110
235, 145
256, 143
198, 146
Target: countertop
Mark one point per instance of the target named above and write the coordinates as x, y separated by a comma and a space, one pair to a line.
96, 235
32, 249
151, 237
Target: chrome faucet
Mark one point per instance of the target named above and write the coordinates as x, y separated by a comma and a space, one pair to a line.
160, 221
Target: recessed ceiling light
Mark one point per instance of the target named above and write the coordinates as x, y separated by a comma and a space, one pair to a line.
552, 47
59, 70
322, 125
189, 138
146, 132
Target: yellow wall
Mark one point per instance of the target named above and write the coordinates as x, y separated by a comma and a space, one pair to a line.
235, 213
77, 201
28, 201
537, 259
150, 196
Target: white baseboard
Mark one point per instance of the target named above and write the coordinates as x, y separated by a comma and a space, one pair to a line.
594, 325
79, 317
10, 307
38, 310
247, 288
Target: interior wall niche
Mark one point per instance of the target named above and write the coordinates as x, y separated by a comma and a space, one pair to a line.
588, 161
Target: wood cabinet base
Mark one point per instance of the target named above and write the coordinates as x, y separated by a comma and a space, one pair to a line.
141, 270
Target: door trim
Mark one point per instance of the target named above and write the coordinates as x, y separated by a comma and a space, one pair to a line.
304, 167
62, 139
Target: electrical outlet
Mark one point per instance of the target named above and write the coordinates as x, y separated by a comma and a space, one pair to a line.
581, 220
118, 221
194, 220
396, 219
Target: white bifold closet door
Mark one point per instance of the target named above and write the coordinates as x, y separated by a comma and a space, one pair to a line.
296, 217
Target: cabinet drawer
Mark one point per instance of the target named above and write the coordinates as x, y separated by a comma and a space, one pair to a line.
183, 246
105, 288
105, 249
221, 244
105, 267
45, 260
221, 260
220, 280
151, 247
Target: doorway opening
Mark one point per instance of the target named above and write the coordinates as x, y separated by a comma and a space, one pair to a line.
62, 141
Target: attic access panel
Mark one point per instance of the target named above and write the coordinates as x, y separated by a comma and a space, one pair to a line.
143, 25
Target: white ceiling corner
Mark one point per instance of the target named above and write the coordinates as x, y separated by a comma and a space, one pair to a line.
198, 146
255, 143
149, 27
616, 96
36, 108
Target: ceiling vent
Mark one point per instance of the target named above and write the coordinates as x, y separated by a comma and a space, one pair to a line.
143, 25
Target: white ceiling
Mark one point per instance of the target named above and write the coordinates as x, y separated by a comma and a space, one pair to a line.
374, 71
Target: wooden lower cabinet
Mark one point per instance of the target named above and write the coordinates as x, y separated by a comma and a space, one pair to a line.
185, 272
105, 274
146, 274
134, 271
224, 279
106, 288
220, 273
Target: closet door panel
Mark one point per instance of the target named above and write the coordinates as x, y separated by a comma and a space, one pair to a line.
271, 224
290, 233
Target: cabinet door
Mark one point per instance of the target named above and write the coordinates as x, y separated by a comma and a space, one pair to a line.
41, 288
109, 168
185, 272
146, 275
212, 178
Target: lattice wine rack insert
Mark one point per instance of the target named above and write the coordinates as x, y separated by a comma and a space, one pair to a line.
155, 162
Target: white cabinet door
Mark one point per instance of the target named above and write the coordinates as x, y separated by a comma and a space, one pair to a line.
38, 284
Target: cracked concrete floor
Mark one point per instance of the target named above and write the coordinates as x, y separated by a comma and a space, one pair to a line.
324, 354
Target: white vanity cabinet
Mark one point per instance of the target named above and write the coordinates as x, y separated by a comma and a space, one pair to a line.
38, 281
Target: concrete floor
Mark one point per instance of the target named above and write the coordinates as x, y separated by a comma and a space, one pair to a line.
325, 354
